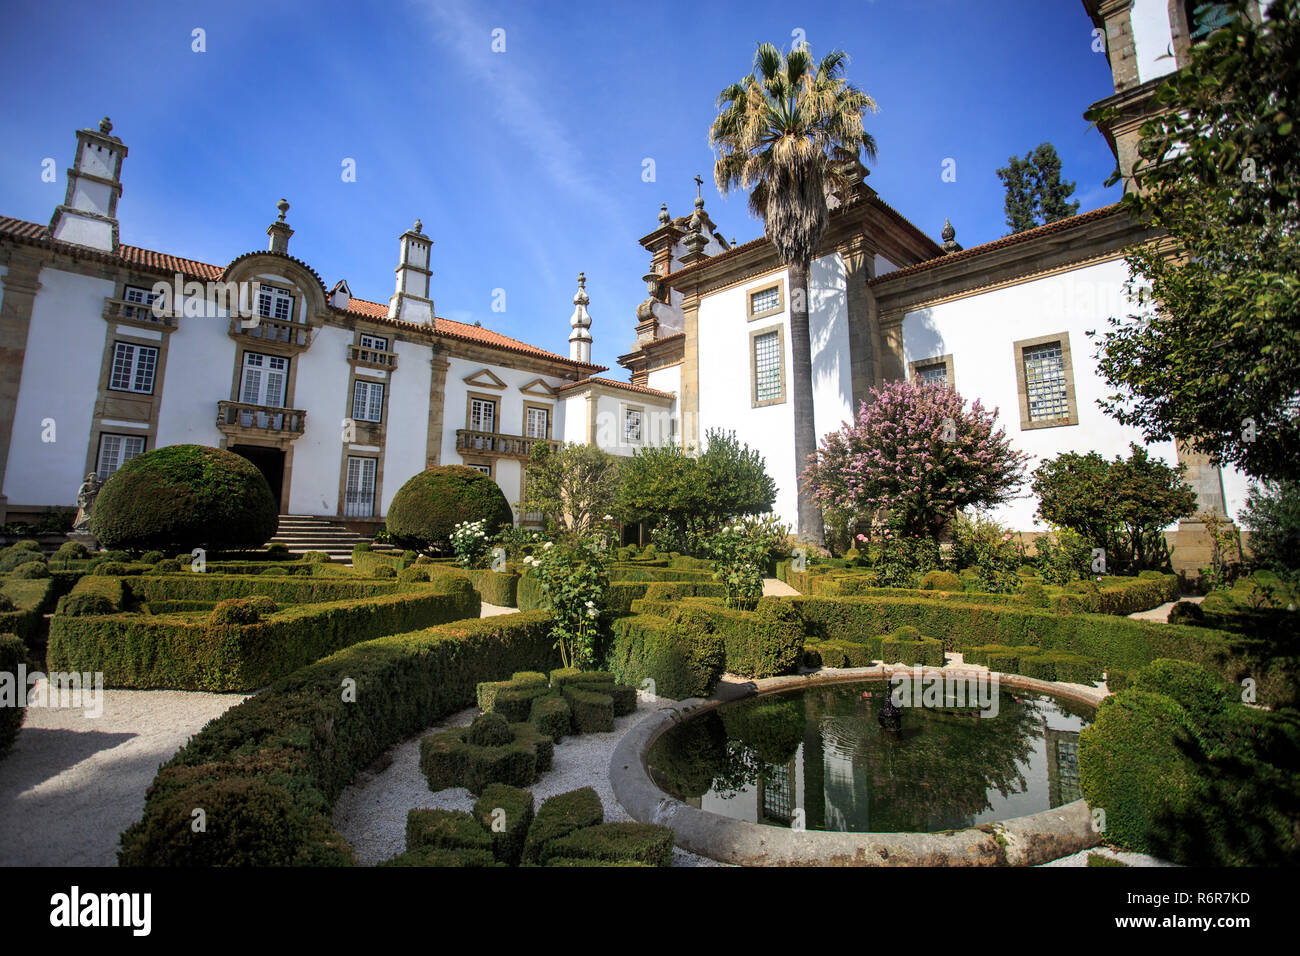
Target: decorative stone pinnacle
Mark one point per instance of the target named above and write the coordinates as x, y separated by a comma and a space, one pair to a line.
664, 218
699, 184
949, 236
418, 228
283, 206
581, 298
106, 126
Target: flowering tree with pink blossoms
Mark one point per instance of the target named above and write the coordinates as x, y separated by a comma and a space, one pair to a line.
915, 457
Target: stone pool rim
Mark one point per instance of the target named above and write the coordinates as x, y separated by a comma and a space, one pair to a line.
1017, 841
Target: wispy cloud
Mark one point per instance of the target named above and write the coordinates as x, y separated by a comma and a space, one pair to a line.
518, 99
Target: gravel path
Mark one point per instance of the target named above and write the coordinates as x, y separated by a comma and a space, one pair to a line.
371, 813
1161, 613
72, 783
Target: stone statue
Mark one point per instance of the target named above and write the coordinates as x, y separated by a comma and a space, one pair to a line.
86, 496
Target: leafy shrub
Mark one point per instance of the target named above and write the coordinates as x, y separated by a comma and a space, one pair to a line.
560, 815
940, 581
12, 653
183, 497
682, 661
615, 842
513, 807
425, 510
71, 551
384, 572
152, 557
276, 739
13, 557
481, 754
244, 610
992, 551
6, 604
110, 569
32, 570
1063, 556
1186, 612
1273, 517
315, 557
1034, 594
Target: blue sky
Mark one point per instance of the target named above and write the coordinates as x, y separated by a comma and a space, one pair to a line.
525, 165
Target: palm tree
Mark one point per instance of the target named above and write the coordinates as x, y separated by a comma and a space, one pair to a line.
791, 133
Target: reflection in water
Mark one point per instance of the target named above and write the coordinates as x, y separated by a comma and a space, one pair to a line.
836, 753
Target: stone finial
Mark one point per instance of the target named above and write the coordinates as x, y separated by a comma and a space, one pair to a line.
664, 218
283, 206
949, 236
418, 228
580, 338
106, 126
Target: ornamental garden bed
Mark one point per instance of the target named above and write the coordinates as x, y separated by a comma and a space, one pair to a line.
215, 632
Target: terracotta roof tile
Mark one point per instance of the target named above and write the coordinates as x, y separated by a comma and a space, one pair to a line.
568, 386
164, 263
1052, 227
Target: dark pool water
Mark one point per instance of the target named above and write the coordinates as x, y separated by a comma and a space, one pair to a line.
824, 759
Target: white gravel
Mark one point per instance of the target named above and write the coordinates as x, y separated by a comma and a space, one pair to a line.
72, 783
371, 813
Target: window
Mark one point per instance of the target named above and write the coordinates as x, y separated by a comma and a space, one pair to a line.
477, 466
1045, 382
264, 379
482, 414
767, 366
115, 451
368, 401
766, 301
933, 371
274, 303
134, 293
537, 422
359, 493
133, 368
632, 419
376, 342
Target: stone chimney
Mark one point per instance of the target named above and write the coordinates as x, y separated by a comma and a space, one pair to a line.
410, 301
580, 337
88, 215
279, 231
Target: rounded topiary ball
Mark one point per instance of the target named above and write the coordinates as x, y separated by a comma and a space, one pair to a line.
489, 730
183, 497
428, 506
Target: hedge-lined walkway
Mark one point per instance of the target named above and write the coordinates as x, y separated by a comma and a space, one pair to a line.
73, 783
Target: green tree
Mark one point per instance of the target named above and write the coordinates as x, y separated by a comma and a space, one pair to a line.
1035, 193
1273, 517
1211, 355
791, 133
694, 495
1122, 506
573, 487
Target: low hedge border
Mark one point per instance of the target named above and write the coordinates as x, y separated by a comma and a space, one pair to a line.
496, 587
32, 600
145, 651
1117, 643
13, 652
683, 661
269, 770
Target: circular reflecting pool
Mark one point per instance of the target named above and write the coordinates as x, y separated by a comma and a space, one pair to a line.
856, 757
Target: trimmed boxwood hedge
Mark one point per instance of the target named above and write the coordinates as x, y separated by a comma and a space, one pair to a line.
426, 509
623, 842
506, 812
31, 599
274, 765
559, 816
216, 653
12, 653
683, 661
489, 751
1185, 772
1116, 643
181, 497
496, 587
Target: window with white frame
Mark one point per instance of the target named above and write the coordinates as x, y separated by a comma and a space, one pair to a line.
486, 469
115, 451
376, 342
133, 368
765, 300
769, 382
482, 415
536, 422
1047, 393
359, 490
264, 379
274, 303
632, 421
368, 401
145, 297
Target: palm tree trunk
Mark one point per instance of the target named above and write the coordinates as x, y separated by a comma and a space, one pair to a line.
805, 432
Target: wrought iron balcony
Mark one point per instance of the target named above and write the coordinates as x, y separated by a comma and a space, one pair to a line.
496, 445
240, 419
373, 358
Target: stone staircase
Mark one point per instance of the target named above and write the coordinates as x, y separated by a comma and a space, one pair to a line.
302, 533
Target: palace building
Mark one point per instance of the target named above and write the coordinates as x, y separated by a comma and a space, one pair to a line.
339, 400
